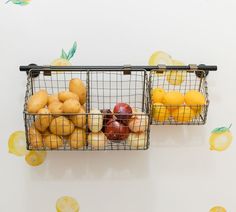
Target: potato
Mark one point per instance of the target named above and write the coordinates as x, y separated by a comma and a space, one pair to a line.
53, 98
65, 95
77, 86
45, 133
80, 119
53, 141
95, 120
61, 126
137, 140
43, 120
37, 101
77, 139
139, 122
71, 106
35, 138
97, 140
56, 107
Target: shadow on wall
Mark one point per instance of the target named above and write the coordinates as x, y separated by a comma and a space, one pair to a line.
178, 136
87, 166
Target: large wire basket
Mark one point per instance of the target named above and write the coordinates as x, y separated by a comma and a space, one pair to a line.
114, 116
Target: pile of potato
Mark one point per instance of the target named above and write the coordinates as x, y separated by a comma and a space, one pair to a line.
61, 117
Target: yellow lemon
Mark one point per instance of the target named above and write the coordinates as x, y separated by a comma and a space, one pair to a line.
35, 158
67, 204
183, 114
17, 143
157, 95
160, 112
61, 62
160, 57
217, 209
176, 77
173, 99
220, 139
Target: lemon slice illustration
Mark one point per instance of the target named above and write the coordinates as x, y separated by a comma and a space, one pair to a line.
35, 158
176, 77
64, 60
217, 209
160, 57
19, 2
220, 139
67, 204
17, 143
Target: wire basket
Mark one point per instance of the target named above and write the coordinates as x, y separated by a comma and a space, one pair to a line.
114, 116
179, 96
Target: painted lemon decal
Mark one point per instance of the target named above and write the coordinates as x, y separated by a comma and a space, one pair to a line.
217, 209
20, 2
176, 77
67, 204
64, 60
220, 139
35, 158
17, 143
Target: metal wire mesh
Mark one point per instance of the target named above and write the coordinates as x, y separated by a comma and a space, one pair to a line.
96, 127
168, 112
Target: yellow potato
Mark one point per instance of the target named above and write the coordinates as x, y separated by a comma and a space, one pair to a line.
43, 120
137, 140
95, 120
56, 107
61, 126
35, 138
77, 139
80, 119
37, 101
65, 95
53, 98
53, 141
77, 86
97, 140
71, 106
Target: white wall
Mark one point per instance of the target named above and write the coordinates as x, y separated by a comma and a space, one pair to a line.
179, 172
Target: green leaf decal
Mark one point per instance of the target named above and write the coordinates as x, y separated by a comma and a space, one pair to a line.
63, 54
221, 129
72, 51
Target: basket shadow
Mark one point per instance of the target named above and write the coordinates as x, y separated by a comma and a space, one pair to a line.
178, 136
86, 166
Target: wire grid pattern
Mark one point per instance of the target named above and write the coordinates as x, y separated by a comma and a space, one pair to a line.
181, 81
104, 90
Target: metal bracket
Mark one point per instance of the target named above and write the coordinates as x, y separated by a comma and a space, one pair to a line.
127, 69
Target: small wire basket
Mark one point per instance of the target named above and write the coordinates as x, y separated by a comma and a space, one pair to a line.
114, 116
179, 95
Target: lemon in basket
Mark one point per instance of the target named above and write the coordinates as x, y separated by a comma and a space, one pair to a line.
157, 95
195, 100
176, 77
220, 138
17, 143
64, 60
160, 57
183, 114
160, 112
35, 158
217, 209
173, 99
67, 204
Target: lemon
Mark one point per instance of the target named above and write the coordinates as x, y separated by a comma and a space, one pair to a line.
35, 158
61, 62
217, 209
17, 143
157, 95
160, 112
67, 204
183, 114
220, 139
173, 98
176, 77
160, 57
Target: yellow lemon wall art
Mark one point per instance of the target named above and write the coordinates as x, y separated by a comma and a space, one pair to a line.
220, 138
17, 143
217, 209
67, 204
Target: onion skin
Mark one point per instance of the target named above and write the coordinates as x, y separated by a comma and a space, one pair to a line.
116, 131
123, 112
